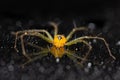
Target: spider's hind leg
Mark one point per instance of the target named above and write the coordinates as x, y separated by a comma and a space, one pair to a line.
88, 52
75, 41
23, 47
75, 58
102, 39
16, 38
38, 55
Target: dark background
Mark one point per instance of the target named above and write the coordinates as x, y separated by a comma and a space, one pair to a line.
19, 15
93, 8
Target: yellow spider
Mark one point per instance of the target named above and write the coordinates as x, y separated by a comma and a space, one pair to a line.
58, 42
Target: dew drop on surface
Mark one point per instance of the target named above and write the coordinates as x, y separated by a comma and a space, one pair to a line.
1, 47
57, 60
109, 69
118, 43
102, 63
90, 43
68, 67
94, 40
10, 68
104, 67
91, 26
42, 69
86, 70
76, 49
89, 65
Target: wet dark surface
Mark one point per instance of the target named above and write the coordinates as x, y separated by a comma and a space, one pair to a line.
100, 66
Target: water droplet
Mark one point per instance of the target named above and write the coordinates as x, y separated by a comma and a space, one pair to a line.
68, 67
94, 40
10, 68
89, 65
41, 69
91, 26
57, 60
118, 43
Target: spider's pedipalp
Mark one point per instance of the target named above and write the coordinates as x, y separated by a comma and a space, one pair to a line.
55, 27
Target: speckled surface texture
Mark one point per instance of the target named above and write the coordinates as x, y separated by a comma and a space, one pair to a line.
100, 66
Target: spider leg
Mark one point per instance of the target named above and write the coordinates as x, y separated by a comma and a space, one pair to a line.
73, 54
74, 57
33, 45
105, 42
38, 55
55, 27
43, 50
31, 34
88, 52
91, 37
86, 43
23, 47
75, 30
18, 33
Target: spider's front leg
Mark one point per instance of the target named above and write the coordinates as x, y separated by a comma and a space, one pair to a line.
34, 31
105, 42
31, 34
91, 37
75, 30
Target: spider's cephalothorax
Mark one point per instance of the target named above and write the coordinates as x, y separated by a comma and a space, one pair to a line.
58, 43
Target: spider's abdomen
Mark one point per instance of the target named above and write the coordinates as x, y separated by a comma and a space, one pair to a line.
57, 52
59, 41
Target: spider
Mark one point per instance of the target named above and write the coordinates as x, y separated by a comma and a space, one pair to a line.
58, 42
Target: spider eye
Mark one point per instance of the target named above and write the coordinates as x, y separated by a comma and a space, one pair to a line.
59, 37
